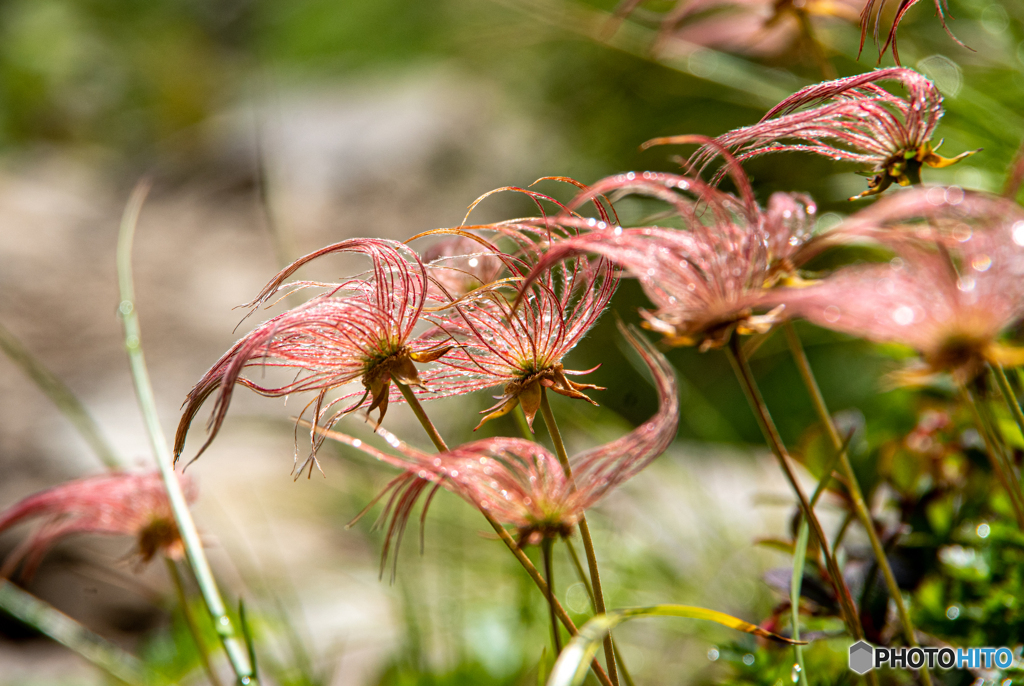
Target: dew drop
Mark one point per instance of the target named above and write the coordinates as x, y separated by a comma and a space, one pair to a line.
832, 314
473, 262
617, 231
713, 654
966, 284
630, 176
963, 233
794, 675
1017, 231
748, 659
984, 530
903, 315
356, 443
952, 612
981, 263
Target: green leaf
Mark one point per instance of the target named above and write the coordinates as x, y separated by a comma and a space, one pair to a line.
574, 661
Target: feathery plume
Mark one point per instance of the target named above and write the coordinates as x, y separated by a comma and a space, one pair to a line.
955, 284
126, 504
359, 329
851, 119
707, 278
521, 483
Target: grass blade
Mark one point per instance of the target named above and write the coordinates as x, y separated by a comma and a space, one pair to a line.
571, 667
66, 631
61, 396
235, 650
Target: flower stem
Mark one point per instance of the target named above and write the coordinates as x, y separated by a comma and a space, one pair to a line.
1008, 395
581, 574
998, 440
549, 575
234, 648
771, 434
190, 620
994, 455
425, 422
48, 620
588, 541
853, 487
502, 532
795, 583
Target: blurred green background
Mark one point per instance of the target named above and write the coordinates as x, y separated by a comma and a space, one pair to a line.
272, 128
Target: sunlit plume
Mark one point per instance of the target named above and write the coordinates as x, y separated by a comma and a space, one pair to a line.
123, 504
359, 329
705, 278
521, 483
517, 337
761, 28
852, 119
954, 284
871, 19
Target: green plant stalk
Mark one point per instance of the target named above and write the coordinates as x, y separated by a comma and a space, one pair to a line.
502, 532
190, 620
235, 650
61, 396
795, 585
998, 440
43, 617
800, 561
853, 487
771, 434
582, 576
584, 579
588, 541
1008, 395
549, 576
994, 455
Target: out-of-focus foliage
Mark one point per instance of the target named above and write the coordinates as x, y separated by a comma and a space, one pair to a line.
133, 84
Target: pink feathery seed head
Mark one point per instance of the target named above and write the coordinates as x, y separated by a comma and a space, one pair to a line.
704, 279
521, 483
851, 119
762, 28
955, 284
874, 8
458, 265
128, 504
359, 329
514, 335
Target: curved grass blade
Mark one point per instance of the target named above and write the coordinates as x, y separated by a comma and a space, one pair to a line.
66, 631
572, 665
61, 396
147, 404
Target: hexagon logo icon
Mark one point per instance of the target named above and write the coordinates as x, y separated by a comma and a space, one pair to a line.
862, 657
